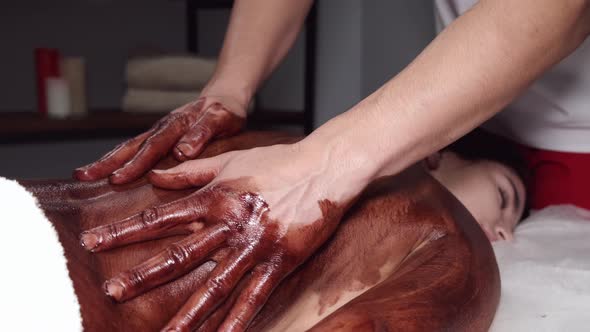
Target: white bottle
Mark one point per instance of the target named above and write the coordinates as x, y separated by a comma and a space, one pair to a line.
58, 98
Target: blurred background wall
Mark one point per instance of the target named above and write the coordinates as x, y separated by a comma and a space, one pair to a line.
361, 44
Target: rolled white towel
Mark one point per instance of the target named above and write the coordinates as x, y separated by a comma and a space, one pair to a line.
36, 291
169, 72
545, 273
156, 101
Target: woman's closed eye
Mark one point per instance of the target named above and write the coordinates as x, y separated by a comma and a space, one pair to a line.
503, 198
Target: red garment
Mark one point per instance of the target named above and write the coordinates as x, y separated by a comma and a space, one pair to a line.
558, 178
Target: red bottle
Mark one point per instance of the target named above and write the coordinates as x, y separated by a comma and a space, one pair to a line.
46, 66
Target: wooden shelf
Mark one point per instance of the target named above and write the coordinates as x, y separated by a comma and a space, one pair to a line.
29, 126
20, 127
210, 4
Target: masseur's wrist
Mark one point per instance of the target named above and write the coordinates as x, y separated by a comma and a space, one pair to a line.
343, 151
366, 147
233, 94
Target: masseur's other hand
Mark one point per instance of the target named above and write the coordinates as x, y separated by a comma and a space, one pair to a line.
260, 214
184, 133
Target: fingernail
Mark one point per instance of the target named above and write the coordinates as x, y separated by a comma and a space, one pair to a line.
114, 288
172, 329
89, 241
117, 178
179, 155
186, 149
81, 173
159, 171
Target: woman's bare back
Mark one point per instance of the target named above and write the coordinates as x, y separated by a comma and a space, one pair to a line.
407, 257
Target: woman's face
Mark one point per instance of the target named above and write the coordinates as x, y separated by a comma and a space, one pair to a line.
492, 192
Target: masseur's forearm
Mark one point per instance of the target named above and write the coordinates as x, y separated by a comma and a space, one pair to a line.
467, 74
259, 35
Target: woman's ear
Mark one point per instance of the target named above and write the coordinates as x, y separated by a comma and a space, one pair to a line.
432, 162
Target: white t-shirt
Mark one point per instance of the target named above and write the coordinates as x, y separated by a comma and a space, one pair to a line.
554, 113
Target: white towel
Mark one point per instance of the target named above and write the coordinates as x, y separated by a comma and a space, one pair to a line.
156, 101
36, 293
545, 273
185, 73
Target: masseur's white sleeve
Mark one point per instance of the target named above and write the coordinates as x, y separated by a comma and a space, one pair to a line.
553, 114
36, 293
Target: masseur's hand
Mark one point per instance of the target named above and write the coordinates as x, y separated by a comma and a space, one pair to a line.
184, 133
247, 58
260, 214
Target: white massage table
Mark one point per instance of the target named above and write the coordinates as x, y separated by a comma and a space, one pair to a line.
545, 273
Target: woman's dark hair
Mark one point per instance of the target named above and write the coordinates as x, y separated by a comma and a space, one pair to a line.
481, 144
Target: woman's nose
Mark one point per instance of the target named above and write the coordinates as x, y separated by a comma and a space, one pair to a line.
504, 233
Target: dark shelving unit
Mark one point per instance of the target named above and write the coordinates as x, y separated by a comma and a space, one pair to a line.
30, 126
303, 118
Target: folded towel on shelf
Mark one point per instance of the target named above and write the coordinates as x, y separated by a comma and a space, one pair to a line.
156, 101
169, 72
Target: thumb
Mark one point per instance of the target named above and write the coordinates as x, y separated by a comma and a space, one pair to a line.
217, 121
193, 173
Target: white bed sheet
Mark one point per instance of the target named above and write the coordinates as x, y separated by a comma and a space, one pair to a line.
545, 273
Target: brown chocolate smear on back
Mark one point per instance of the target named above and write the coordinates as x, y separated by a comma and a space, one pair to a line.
444, 273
